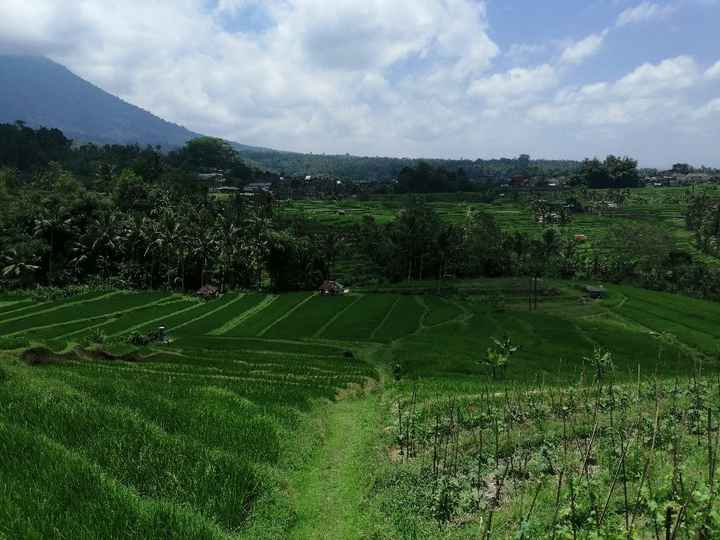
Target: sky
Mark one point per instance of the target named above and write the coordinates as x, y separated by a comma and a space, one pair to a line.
560, 79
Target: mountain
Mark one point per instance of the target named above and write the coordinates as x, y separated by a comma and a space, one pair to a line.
41, 92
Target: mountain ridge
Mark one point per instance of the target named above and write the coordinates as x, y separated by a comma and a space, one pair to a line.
43, 93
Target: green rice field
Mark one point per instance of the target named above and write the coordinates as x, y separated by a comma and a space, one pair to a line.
225, 431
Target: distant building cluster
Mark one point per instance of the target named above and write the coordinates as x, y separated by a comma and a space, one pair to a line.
673, 178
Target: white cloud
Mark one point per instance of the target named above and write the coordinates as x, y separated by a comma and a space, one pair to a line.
647, 11
378, 77
648, 93
713, 72
671, 74
515, 84
582, 50
709, 109
319, 76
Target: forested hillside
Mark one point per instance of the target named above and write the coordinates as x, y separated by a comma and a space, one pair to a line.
388, 168
43, 93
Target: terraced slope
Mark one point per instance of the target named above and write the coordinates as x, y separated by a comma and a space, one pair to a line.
211, 435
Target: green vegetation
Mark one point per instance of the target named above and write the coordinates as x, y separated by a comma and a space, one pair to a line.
242, 434
464, 387
185, 442
362, 319
403, 319
271, 314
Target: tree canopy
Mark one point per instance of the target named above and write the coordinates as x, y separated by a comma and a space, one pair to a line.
614, 172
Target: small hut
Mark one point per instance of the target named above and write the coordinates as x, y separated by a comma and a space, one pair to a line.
595, 292
332, 288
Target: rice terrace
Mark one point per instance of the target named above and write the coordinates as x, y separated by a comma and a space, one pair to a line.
368, 414
383, 270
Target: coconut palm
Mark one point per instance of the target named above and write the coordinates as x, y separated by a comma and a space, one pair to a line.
49, 225
17, 267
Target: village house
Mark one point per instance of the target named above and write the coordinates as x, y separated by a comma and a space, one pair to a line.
258, 187
332, 288
212, 177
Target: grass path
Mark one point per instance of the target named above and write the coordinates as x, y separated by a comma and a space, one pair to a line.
328, 493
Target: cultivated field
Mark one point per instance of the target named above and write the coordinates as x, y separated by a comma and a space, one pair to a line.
664, 207
225, 431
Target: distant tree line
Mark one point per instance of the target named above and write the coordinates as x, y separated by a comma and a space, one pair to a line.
613, 172
28, 150
418, 245
385, 169
424, 178
143, 221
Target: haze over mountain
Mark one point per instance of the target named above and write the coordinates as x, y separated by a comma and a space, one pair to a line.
41, 92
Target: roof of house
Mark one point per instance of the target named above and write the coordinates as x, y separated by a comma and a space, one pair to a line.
258, 186
593, 289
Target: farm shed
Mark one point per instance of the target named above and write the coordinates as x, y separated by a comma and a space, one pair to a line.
332, 288
258, 187
595, 292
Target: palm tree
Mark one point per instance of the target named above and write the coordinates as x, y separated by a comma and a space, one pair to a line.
107, 236
228, 235
16, 267
204, 241
80, 257
257, 244
49, 224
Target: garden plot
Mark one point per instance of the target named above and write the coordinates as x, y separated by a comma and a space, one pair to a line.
187, 440
148, 317
119, 324
693, 322
403, 319
214, 314
79, 310
241, 311
35, 308
221, 343
271, 314
311, 317
183, 319
360, 321
440, 310
9, 305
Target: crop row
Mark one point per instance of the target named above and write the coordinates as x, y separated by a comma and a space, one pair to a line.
226, 344
403, 319
440, 310
311, 317
64, 314
361, 320
264, 319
